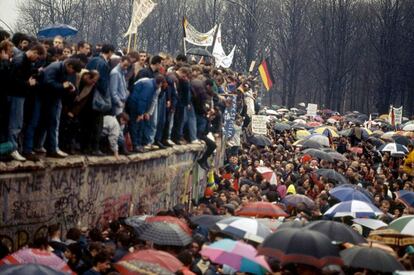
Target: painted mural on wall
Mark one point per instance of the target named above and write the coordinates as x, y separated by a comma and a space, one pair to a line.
91, 195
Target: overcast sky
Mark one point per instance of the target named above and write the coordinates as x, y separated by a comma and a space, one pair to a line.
8, 12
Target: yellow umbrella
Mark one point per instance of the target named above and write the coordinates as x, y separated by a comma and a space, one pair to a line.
369, 132
384, 117
332, 131
301, 134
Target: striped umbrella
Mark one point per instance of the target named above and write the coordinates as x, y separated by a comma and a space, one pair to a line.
236, 254
406, 197
244, 228
261, 210
268, 174
349, 194
404, 224
354, 208
36, 256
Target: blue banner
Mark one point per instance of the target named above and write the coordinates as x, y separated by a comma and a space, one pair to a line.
230, 117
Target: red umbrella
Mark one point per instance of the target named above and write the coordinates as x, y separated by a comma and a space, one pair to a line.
37, 256
261, 210
314, 124
150, 256
267, 174
170, 219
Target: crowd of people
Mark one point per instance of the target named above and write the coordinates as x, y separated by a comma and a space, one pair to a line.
97, 100
61, 98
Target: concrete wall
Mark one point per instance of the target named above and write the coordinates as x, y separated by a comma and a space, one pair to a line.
82, 191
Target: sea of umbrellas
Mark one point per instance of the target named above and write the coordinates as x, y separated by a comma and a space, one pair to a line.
263, 237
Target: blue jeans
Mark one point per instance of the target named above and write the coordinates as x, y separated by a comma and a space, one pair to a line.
202, 123
54, 109
16, 113
32, 125
162, 110
152, 124
191, 122
185, 119
140, 131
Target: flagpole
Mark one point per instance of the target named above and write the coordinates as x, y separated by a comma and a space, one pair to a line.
129, 42
135, 41
185, 47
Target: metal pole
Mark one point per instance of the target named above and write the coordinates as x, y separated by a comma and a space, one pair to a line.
129, 42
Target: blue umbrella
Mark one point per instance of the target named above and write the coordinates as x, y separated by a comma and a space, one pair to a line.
349, 194
355, 208
59, 29
33, 269
406, 197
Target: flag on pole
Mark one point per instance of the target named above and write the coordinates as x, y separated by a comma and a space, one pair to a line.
266, 74
391, 116
222, 60
141, 9
192, 36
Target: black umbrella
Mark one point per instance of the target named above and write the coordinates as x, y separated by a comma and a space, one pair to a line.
401, 140
137, 223
375, 141
300, 126
310, 144
208, 221
370, 258
337, 156
163, 233
336, 231
280, 127
319, 154
292, 224
199, 52
33, 269
331, 174
297, 245
260, 140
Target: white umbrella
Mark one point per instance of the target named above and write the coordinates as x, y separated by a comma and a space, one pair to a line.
395, 149
370, 223
271, 112
409, 127
320, 139
245, 228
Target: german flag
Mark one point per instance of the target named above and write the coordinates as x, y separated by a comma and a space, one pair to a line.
266, 74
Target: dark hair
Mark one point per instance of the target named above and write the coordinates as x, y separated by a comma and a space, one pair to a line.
101, 257
124, 239
107, 48
75, 63
125, 57
53, 228
82, 57
95, 235
75, 249
185, 257
19, 37
181, 57
159, 78
73, 234
37, 47
133, 54
82, 43
4, 35
123, 116
156, 59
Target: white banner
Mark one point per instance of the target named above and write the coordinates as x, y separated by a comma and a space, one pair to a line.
312, 109
222, 60
398, 114
192, 36
259, 125
141, 10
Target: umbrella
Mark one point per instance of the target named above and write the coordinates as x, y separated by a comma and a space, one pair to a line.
314, 124
370, 223
280, 127
170, 219
299, 121
304, 143
32, 269
356, 150
391, 237
318, 154
245, 228
321, 139
260, 140
282, 110
370, 258
359, 188
142, 268
267, 174
261, 210
162, 259
401, 140
199, 52
208, 221
295, 200
326, 131
388, 135
136, 222
376, 141
332, 175
395, 149
163, 233
337, 156
272, 224
409, 127
236, 254
301, 134
406, 197
297, 245
356, 209
36, 256
336, 231
404, 224
59, 29
349, 194
292, 224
